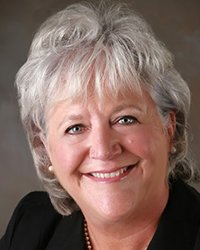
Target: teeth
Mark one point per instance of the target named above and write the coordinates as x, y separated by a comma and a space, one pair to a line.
110, 175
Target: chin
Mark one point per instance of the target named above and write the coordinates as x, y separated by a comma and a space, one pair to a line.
115, 212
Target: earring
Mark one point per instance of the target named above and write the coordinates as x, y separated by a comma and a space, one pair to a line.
50, 168
173, 150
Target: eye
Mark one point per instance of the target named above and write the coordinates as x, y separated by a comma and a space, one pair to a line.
75, 129
127, 120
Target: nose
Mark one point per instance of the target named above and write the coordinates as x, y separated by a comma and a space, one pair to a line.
104, 145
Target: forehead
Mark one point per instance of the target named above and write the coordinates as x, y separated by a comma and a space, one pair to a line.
140, 101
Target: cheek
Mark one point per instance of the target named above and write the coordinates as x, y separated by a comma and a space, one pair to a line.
140, 144
147, 144
64, 158
151, 148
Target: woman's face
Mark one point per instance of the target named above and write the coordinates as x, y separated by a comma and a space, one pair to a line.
111, 156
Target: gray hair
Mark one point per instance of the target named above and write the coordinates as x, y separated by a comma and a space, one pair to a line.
117, 48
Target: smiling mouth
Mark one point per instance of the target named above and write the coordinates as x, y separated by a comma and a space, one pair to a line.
113, 175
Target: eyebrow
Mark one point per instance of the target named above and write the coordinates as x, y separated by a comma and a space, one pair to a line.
126, 106
72, 117
78, 117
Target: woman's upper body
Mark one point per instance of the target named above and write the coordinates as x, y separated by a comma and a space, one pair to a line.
106, 117
35, 224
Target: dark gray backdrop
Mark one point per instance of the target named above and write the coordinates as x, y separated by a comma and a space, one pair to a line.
176, 22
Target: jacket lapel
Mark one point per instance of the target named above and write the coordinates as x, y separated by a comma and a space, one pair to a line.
69, 234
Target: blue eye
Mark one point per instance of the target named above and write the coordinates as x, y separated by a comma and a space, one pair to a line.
127, 120
75, 129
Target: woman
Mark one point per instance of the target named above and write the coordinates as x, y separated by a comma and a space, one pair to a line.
106, 116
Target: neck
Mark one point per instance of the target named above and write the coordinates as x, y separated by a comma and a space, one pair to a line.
136, 241
139, 240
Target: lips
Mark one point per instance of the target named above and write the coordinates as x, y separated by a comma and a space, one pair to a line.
110, 175
115, 175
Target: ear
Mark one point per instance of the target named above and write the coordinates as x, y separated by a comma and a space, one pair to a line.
171, 126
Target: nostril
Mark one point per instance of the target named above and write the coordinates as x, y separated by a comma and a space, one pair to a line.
104, 154
99, 154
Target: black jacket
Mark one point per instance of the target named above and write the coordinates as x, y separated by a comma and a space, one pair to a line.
35, 225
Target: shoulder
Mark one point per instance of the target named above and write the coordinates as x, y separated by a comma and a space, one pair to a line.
185, 198
37, 201
34, 218
179, 226
34, 200
185, 203
35, 206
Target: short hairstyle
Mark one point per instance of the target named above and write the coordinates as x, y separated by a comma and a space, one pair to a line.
115, 48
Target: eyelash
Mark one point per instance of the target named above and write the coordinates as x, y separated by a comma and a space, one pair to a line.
128, 120
80, 126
